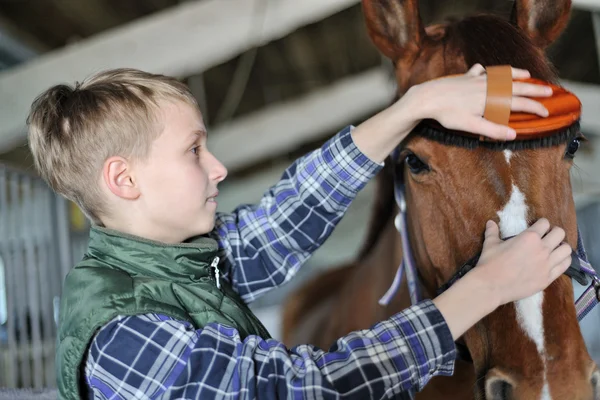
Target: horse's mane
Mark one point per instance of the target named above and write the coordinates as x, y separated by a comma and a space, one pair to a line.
485, 39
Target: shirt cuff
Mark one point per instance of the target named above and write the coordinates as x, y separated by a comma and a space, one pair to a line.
430, 339
353, 168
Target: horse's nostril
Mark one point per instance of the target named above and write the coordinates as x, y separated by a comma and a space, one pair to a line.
498, 386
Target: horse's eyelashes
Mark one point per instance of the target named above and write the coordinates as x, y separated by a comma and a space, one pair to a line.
415, 164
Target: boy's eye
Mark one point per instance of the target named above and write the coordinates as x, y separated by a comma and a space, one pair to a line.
196, 149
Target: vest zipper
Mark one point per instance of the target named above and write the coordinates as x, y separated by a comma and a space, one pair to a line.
214, 264
243, 306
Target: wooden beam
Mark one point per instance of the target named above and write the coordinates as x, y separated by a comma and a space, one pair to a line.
282, 127
93, 15
596, 24
27, 39
180, 35
590, 5
180, 41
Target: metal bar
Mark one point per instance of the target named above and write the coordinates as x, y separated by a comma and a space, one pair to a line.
48, 274
20, 299
5, 253
52, 252
32, 281
35, 247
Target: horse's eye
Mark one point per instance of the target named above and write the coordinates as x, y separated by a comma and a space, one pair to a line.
415, 164
572, 148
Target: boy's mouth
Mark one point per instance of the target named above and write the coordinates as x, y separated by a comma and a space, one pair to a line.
213, 198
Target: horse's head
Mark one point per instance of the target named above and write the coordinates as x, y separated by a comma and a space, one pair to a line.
532, 349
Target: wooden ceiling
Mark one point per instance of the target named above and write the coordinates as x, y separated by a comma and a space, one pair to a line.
311, 57
55, 23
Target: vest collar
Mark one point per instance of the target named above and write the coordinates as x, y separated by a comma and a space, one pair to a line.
138, 256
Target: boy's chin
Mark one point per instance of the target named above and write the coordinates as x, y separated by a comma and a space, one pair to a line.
203, 228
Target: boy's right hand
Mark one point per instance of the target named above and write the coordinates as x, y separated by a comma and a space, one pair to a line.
525, 264
458, 102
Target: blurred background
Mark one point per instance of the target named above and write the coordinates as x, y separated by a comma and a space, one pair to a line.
275, 79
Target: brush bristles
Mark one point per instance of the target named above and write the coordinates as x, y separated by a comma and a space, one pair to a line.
451, 138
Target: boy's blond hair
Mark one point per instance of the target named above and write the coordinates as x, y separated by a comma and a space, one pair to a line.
73, 130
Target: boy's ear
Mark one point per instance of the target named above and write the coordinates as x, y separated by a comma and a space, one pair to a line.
118, 176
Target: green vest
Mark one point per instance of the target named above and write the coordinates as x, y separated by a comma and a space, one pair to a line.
126, 275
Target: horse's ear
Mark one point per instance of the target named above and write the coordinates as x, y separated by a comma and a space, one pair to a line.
394, 26
542, 20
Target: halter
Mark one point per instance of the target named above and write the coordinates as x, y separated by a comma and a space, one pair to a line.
564, 109
580, 269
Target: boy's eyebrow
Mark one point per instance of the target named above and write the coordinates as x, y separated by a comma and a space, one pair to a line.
199, 134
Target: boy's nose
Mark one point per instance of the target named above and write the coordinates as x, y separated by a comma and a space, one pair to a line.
218, 170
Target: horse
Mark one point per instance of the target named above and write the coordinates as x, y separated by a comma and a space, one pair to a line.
529, 349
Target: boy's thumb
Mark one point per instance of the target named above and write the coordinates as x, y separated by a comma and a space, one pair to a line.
492, 232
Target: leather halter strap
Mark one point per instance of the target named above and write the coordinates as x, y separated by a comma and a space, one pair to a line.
564, 110
499, 94
579, 270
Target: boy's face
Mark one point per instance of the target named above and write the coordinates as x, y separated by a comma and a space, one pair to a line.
178, 181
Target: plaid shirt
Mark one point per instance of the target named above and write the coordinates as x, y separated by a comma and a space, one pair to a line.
263, 246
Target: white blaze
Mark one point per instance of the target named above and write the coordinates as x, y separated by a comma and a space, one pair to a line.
507, 155
513, 220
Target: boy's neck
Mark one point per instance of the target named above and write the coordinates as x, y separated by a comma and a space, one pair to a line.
117, 233
140, 230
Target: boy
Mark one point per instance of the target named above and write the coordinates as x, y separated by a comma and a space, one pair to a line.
157, 307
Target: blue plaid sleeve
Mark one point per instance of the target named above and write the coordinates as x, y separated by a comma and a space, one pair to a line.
264, 245
153, 356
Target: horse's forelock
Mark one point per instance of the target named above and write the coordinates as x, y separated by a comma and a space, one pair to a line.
492, 40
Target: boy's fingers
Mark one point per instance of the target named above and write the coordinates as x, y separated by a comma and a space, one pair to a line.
531, 90
554, 238
562, 253
519, 73
482, 126
540, 227
559, 269
523, 104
